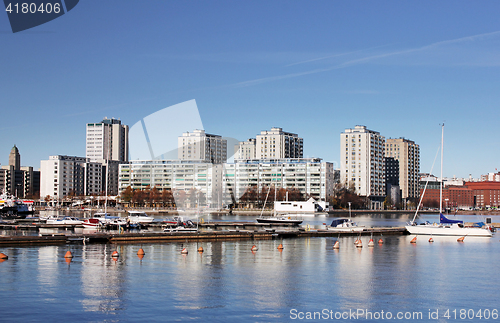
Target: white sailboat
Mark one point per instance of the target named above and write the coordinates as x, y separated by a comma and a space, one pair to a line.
445, 227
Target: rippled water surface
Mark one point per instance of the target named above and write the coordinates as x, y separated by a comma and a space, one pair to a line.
230, 283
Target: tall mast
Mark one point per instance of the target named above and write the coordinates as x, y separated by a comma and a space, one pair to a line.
441, 184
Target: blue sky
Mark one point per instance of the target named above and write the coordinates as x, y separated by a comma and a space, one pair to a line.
310, 67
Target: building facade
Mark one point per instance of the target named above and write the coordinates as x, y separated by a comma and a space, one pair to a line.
107, 140
245, 149
392, 188
407, 153
63, 176
311, 176
362, 163
17, 180
175, 175
201, 146
278, 144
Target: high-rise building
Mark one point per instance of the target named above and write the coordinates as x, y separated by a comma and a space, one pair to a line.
392, 190
272, 144
201, 146
245, 149
277, 144
17, 180
407, 153
362, 163
107, 140
15, 158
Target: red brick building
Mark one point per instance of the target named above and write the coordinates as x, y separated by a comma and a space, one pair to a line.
472, 194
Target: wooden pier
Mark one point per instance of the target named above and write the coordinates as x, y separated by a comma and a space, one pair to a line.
215, 231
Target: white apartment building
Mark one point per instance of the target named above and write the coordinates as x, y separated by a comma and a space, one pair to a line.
178, 175
362, 162
107, 140
201, 146
407, 152
245, 149
62, 175
310, 176
277, 144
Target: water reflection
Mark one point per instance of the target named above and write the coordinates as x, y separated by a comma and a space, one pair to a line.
230, 282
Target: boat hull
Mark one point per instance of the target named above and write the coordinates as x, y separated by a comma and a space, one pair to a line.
438, 230
286, 221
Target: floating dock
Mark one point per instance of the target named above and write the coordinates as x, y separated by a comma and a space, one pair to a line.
215, 231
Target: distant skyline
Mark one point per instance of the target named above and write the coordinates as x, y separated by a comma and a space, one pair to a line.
311, 68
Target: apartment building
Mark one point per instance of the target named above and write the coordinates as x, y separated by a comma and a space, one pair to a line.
271, 144
176, 175
201, 146
70, 175
245, 149
107, 140
407, 153
362, 163
311, 176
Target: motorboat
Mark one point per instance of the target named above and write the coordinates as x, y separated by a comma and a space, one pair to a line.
92, 223
344, 225
106, 219
11, 207
180, 229
68, 220
139, 217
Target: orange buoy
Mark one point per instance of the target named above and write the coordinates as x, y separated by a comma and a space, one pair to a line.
357, 241
184, 251
359, 244
431, 240
380, 241
336, 245
414, 240
371, 243
461, 239
68, 260
3, 256
280, 247
68, 254
141, 252
115, 254
200, 249
140, 256
254, 248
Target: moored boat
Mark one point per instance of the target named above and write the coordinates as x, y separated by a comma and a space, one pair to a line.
139, 217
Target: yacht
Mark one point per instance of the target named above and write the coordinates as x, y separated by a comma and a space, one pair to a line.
139, 217
344, 225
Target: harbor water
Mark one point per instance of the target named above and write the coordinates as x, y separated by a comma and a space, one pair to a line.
308, 280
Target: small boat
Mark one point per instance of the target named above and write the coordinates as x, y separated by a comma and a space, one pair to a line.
91, 223
12, 208
344, 225
106, 219
68, 220
139, 217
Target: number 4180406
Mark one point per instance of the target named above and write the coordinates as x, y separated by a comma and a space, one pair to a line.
33, 8
471, 314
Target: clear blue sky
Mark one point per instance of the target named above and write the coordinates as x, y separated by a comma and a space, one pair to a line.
310, 67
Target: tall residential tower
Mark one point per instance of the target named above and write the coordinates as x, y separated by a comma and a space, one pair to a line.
362, 163
407, 153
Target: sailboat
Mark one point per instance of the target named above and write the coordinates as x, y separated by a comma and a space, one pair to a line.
445, 227
276, 218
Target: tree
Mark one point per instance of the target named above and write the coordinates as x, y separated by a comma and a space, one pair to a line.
127, 194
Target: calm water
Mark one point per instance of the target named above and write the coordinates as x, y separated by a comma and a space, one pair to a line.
229, 283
